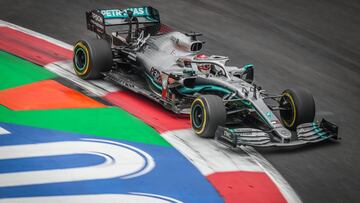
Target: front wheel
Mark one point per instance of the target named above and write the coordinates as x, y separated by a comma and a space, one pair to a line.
207, 113
297, 106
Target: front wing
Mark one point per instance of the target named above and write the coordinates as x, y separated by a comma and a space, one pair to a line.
306, 133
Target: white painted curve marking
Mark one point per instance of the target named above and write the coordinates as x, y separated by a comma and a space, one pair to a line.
58, 68
97, 87
157, 196
3, 131
108, 198
211, 157
207, 155
36, 34
122, 161
150, 161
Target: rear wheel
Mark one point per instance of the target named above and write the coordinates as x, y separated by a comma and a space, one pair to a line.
207, 113
299, 108
91, 57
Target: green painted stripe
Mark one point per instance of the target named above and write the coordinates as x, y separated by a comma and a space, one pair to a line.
15, 71
109, 122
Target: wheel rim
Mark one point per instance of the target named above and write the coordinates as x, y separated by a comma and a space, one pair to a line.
197, 116
80, 59
287, 116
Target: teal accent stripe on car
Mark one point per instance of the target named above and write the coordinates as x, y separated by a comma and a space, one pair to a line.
153, 82
318, 131
122, 13
185, 90
248, 66
247, 103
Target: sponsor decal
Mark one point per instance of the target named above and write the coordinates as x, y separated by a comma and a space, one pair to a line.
156, 74
117, 13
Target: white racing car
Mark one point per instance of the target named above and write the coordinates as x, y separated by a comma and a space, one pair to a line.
223, 101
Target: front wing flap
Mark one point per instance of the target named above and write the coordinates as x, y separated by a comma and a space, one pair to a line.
306, 133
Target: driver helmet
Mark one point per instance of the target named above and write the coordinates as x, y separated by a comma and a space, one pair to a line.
203, 67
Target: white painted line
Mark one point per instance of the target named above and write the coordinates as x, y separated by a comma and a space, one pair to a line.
97, 87
67, 66
109, 198
56, 68
121, 161
3, 131
36, 34
108, 86
207, 155
172, 200
150, 161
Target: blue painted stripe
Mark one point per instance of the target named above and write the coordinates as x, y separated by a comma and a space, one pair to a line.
42, 163
188, 185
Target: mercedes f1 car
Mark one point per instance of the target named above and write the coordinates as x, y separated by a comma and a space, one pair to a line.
132, 50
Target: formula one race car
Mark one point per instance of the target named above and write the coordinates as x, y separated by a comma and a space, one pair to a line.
133, 51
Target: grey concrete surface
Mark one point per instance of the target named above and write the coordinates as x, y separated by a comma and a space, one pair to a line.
313, 44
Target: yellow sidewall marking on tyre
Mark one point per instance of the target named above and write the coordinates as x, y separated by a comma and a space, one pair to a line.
80, 44
294, 111
204, 122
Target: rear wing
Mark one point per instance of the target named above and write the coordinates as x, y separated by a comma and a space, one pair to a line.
144, 17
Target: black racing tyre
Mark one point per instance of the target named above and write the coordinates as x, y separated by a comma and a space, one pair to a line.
300, 107
91, 57
207, 113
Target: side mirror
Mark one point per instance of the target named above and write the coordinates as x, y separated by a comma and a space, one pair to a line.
248, 73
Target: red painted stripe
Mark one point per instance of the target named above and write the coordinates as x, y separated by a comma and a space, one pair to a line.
244, 186
31, 48
46, 94
150, 112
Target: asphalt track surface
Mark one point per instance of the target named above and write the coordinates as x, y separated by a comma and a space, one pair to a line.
313, 44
